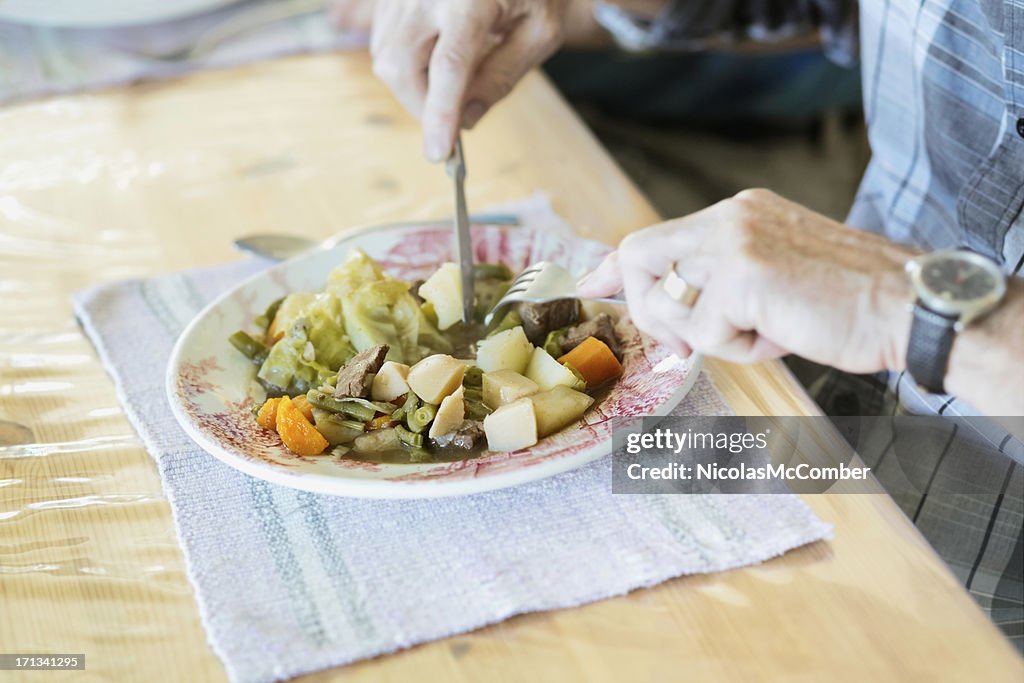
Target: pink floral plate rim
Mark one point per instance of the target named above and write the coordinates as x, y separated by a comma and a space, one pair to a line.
211, 389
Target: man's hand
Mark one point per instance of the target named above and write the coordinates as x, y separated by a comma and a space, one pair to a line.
776, 278
449, 61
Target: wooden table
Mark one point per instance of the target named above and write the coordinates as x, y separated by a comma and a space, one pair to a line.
160, 177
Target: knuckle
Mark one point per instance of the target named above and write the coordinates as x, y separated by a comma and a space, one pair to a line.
499, 85
385, 69
548, 33
632, 247
451, 59
754, 195
741, 225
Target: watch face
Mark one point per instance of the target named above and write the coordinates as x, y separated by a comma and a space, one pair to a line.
957, 279
958, 283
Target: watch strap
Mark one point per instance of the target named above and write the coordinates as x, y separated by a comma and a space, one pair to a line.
931, 340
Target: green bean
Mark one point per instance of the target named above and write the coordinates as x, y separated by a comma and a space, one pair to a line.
335, 428
553, 343
581, 383
340, 405
492, 271
488, 294
510, 320
411, 404
476, 410
474, 377
297, 387
421, 417
409, 438
267, 316
251, 348
473, 395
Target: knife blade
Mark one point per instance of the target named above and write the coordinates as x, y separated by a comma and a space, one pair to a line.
456, 168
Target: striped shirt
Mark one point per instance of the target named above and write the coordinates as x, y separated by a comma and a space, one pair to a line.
943, 92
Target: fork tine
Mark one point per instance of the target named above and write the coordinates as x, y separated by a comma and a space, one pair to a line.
527, 275
540, 282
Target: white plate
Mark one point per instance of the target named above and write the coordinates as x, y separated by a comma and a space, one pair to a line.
99, 13
212, 390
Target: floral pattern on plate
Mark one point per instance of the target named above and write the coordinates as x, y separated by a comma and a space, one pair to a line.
212, 387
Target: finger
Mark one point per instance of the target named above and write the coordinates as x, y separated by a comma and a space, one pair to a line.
400, 47
748, 347
525, 47
668, 313
351, 15
605, 280
637, 284
678, 243
713, 331
460, 45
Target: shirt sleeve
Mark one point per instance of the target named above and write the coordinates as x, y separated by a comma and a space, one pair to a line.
694, 24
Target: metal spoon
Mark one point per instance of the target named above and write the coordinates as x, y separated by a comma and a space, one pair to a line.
279, 247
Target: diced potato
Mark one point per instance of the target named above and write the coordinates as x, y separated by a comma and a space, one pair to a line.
548, 372
512, 426
559, 407
443, 290
508, 350
450, 414
390, 381
504, 386
435, 377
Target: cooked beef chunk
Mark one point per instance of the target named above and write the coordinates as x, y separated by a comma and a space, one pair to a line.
415, 291
539, 319
599, 326
469, 435
356, 376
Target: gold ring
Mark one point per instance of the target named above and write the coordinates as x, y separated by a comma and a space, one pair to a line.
679, 289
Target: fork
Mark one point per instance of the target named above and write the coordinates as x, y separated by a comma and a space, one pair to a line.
543, 281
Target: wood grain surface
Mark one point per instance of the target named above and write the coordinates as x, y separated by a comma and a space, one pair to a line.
158, 177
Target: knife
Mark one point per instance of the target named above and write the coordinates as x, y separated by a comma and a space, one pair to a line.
456, 168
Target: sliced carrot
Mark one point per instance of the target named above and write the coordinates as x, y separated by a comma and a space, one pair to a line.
298, 433
267, 417
594, 361
380, 422
304, 406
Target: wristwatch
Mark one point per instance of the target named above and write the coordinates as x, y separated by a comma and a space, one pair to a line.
952, 289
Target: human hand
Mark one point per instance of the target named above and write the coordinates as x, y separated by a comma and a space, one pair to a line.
351, 15
449, 61
775, 278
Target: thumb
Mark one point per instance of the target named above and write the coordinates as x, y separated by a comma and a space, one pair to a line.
605, 280
524, 48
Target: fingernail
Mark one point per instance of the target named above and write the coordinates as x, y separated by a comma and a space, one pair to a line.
435, 149
473, 112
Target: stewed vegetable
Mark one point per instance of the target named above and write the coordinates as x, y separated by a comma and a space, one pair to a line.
368, 368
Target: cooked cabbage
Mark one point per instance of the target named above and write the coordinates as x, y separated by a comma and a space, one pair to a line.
287, 369
325, 324
380, 310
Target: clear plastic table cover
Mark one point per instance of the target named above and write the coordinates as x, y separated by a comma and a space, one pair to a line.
128, 183
119, 185
162, 176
